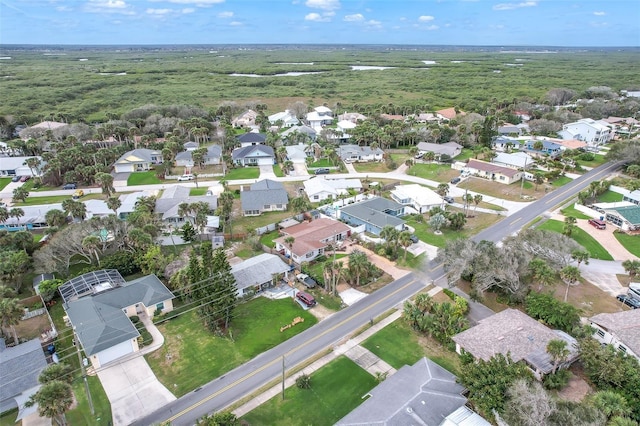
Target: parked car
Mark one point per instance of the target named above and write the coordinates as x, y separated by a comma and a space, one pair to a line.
629, 301
70, 186
306, 280
419, 155
448, 199
306, 298
455, 180
15, 178
185, 177
597, 223
414, 239
322, 171
78, 194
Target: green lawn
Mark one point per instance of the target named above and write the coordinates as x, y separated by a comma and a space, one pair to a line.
596, 251
572, 211
610, 197
267, 239
242, 173
197, 191
630, 242
433, 171
411, 261
143, 178
372, 167
255, 328
597, 161
327, 300
473, 226
399, 159
464, 155
247, 223
323, 162
277, 170
562, 180
54, 199
4, 182
81, 415
316, 270
336, 389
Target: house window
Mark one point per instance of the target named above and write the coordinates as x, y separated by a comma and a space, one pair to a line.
622, 348
600, 333
278, 206
310, 254
160, 306
501, 177
315, 197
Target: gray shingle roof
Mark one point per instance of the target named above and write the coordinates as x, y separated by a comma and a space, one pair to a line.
252, 138
372, 211
251, 150
99, 319
141, 153
624, 325
167, 205
265, 192
258, 270
20, 367
423, 393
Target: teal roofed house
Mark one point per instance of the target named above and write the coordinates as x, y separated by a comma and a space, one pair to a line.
626, 218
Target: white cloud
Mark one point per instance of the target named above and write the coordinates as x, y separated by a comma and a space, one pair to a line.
64, 9
426, 18
354, 18
187, 10
108, 6
372, 23
511, 6
323, 4
316, 17
196, 2
432, 27
235, 23
599, 13
158, 12
225, 15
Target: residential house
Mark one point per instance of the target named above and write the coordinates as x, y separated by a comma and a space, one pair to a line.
417, 196
212, 157
318, 118
422, 394
310, 239
517, 334
33, 218
253, 155
246, 119
587, 130
293, 133
373, 214
505, 144
627, 218
632, 197
622, 126
392, 117
423, 117
138, 160
343, 128
258, 273
190, 146
568, 143
99, 306
168, 204
16, 166
285, 118
299, 153
516, 160
20, 367
448, 114
490, 171
508, 129
264, 196
451, 149
620, 330
251, 138
549, 148
353, 117
320, 188
357, 153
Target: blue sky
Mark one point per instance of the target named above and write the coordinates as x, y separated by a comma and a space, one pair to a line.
448, 22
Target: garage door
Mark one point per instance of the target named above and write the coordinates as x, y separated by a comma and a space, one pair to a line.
265, 161
115, 352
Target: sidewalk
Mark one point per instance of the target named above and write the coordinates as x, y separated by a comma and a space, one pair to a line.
351, 348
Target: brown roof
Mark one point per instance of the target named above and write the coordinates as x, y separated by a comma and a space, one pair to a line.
492, 168
392, 116
309, 235
449, 113
569, 143
624, 325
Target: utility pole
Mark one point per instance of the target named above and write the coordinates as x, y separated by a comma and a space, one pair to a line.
524, 172
84, 372
283, 377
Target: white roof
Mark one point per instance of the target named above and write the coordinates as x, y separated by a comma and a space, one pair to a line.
322, 109
518, 159
346, 124
33, 214
49, 125
419, 194
258, 270
333, 186
296, 151
12, 163
314, 116
285, 116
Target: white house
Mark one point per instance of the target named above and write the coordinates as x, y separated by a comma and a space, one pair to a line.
297, 154
620, 330
211, 157
286, 118
137, 160
451, 149
318, 118
357, 153
319, 188
15, 166
587, 130
257, 273
253, 155
246, 119
516, 160
417, 196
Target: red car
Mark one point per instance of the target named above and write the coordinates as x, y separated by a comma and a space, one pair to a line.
25, 178
598, 223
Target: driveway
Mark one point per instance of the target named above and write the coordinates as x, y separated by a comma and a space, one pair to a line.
266, 172
133, 390
299, 169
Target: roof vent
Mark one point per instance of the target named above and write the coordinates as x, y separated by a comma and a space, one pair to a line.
409, 410
501, 337
520, 328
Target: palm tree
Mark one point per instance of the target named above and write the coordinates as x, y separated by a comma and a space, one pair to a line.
437, 221
443, 189
91, 244
10, 314
467, 199
75, 209
299, 204
16, 213
476, 200
570, 275
289, 242
114, 203
405, 241
105, 180
358, 264
541, 272
632, 267
611, 403
580, 256
569, 224
53, 399
390, 235
20, 194
558, 351
4, 214
55, 218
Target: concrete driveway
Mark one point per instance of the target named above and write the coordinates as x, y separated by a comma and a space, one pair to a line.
133, 390
299, 169
266, 172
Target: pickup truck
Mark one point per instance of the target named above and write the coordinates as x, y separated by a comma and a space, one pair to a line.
306, 280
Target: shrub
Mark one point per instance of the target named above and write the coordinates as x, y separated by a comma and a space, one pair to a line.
303, 382
124, 261
449, 293
321, 258
554, 313
557, 381
587, 156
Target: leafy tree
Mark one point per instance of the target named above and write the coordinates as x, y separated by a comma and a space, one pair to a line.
541, 272
632, 267
10, 314
54, 399
437, 221
569, 225
221, 418
188, 232
14, 264
105, 180
358, 265
153, 261
303, 381
457, 221
55, 218
16, 213
571, 276
554, 313
114, 203
20, 194
48, 288
56, 372
611, 403
529, 404
488, 381
75, 209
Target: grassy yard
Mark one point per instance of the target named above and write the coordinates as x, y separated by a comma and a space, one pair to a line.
336, 389
399, 345
4, 182
327, 300
433, 171
596, 251
316, 270
630, 242
267, 239
54, 199
277, 170
411, 261
197, 191
323, 162
247, 223
242, 173
371, 167
143, 178
562, 180
472, 227
597, 161
610, 197
572, 211
190, 347
399, 159
499, 190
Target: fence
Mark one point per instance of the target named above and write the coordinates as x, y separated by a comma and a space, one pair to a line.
34, 313
273, 226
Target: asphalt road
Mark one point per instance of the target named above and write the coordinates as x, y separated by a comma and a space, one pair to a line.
266, 367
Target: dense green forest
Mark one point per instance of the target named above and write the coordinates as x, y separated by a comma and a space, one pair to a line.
87, 84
